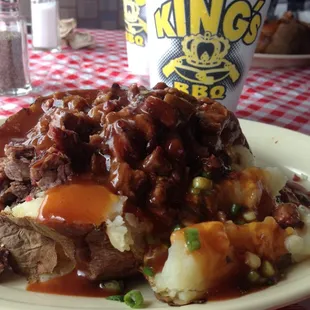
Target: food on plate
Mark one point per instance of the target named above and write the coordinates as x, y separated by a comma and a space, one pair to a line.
286, 36
106, 185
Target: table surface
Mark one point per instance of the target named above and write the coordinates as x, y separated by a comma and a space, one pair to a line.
278, 97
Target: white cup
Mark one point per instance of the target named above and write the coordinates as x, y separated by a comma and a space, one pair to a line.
136, 36
204, 47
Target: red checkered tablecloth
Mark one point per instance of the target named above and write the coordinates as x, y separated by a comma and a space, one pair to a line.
278, 97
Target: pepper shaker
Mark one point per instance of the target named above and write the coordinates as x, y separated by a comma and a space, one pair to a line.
14, 71
45, 25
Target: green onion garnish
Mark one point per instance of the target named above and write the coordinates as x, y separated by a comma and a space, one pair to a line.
240, 222
177, 227
267, 269
116, 286
253, 276
235, 209
134, 299
192, 239
119, 298
207, 174
148, 271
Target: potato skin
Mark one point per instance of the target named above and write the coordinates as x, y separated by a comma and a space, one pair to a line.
34, 248
37, 249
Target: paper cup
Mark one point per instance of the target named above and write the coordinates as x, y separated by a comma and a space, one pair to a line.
136, 35
204, 47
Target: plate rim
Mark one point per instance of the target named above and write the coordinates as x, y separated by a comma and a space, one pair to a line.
281, 56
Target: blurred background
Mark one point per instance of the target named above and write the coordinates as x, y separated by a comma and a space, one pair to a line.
102, 14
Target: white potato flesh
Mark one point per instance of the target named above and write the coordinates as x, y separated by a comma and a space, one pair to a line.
188, 276
299, 244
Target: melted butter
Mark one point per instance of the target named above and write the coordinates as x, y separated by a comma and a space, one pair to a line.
72, 284
85, 203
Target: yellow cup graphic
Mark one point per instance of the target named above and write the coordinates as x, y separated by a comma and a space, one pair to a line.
136, 35
204, 47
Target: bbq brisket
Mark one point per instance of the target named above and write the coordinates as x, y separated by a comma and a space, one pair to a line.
144, 144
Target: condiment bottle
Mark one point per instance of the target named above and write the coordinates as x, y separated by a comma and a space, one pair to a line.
14, 71
45, 21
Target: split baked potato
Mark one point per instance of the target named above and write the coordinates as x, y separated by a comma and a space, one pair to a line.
98, 180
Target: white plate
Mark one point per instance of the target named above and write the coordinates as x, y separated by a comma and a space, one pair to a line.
269, 61
272, 146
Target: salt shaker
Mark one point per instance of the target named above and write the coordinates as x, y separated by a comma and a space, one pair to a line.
45, 29
14, 71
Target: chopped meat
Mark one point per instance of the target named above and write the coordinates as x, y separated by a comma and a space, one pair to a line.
100, 260
287, 215
126, 143
79, 123
69, 143
15, 192
156, 162
145, 144
287, 195
160, 110
295, 193
98, 164
127, 181
4, 259
50, 170
18, 160
174, 147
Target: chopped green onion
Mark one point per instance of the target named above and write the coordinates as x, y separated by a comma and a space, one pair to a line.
207, 174
148, 271
202, 183
240, 222
249, 216
192, 239
267, 269
177, 227
195, 191
119, 298
134, 299
253, 276
116, 286
278, 199
228, 168
235, 209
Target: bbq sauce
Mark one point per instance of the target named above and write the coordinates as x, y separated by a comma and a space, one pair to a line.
72, 284
19, 124
230, 290
79, 203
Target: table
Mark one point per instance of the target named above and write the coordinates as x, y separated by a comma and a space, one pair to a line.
278, 97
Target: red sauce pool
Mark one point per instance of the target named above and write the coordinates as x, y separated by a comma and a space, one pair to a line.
72, 284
